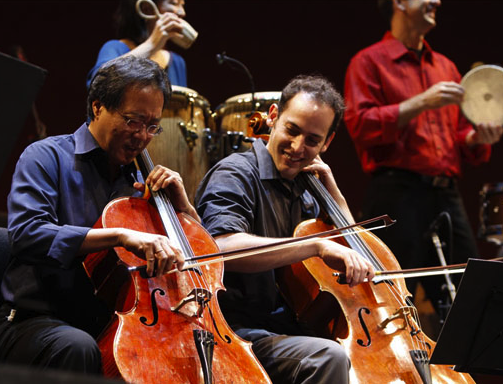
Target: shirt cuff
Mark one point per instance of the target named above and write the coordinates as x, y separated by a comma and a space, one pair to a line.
65, 246
389, 123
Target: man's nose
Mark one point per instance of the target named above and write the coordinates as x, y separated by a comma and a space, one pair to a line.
141, 134
180, 11
298, 143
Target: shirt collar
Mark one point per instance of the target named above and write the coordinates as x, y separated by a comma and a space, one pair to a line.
84, 140
268, 170
397, 49
87, 146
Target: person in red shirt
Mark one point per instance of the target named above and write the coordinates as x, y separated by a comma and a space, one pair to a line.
403, 115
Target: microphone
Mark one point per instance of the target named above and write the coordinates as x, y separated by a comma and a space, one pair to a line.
435, 225
223, 58
220, 58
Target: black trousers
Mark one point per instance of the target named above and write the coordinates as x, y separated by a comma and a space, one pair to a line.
46, 342
415, 201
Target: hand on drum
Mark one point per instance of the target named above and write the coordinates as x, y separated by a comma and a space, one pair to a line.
485, 134
164, 178
346, 260
156, 249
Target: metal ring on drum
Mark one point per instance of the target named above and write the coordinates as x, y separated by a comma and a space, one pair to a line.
187, 144
483, 99
491, 213
232, 117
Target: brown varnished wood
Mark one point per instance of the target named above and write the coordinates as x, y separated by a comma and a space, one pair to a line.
165, 352
331, 310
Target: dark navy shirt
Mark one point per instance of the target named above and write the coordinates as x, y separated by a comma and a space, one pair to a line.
245, 193
59, 189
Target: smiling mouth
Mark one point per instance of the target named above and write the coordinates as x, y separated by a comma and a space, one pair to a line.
431, 12
132, 150
292, 158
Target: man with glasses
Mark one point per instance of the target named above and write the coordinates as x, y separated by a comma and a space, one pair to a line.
50, 316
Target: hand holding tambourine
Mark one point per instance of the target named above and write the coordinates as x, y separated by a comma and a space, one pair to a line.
482, 103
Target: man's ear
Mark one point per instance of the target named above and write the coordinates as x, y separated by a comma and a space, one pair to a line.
272, 116
97, 108
327, 142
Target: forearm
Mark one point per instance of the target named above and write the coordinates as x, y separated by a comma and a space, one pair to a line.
99, 239
409, 109
263, 261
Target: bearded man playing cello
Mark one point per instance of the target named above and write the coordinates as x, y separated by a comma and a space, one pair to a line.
59, 189
255, 198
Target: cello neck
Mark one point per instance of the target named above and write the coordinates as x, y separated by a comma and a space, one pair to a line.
337, 218
166, 210
326, 200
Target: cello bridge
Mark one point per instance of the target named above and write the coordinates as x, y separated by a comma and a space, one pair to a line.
200, 296
401, 313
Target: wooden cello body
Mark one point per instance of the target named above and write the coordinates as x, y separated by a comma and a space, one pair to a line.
166, 329
375, 322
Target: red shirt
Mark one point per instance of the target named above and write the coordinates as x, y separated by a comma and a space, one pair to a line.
378, 79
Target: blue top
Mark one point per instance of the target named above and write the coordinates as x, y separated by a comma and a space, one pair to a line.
59, 189
177, 72
244, 192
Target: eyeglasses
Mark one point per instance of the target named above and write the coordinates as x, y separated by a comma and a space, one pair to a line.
136, 126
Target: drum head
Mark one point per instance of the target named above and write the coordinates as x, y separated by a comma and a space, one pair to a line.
483, 101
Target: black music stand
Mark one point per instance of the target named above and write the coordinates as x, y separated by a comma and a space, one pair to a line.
19, 85
472, 335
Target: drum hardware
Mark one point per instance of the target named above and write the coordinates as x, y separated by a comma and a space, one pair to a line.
189, 129
491, 213
189, 134
212, 145
235, 139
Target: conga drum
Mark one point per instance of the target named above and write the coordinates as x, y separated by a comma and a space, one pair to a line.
483, 99
491, 212
233, 116
185, 145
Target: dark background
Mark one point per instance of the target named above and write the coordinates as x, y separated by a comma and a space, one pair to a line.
276, 39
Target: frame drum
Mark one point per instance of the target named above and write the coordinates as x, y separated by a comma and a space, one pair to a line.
483, 100
187, 131
491, 213
234, 114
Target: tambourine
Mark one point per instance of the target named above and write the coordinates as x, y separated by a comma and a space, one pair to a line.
483, 100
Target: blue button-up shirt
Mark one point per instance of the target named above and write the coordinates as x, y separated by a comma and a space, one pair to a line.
59, 189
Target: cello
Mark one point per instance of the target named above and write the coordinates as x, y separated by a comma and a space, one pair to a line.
167, 328
375, 322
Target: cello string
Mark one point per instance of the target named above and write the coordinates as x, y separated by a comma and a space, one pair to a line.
164, 205
316, 184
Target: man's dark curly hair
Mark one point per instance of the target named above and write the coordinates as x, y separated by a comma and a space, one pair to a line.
321, 89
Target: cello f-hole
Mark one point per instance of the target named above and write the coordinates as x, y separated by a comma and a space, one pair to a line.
155, 311
364, 327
